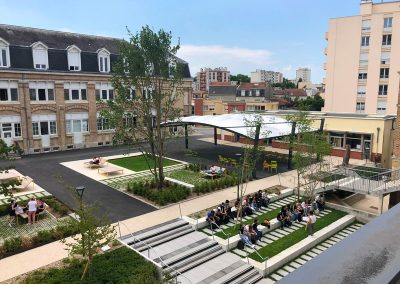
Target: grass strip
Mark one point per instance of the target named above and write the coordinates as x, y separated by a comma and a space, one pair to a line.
297, 236
139, 163
187, 176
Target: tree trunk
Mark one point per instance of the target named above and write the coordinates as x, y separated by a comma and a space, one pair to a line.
86, 268
346, 157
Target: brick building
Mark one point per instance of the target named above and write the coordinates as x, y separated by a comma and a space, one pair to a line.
50, 83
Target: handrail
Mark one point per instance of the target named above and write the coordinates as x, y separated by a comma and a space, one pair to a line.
263, 259
157, 256
226, 235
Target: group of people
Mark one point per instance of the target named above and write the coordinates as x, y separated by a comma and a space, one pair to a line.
32, 208
95, 161
250, 234
250, 203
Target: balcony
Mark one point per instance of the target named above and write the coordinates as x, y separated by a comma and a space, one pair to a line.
325, 66
326, 35
326, 51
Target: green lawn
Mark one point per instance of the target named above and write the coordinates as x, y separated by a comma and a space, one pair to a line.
187, 176
139, 163
118, 266
295, 237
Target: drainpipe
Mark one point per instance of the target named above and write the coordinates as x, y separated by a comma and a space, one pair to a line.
26, 113
378, 130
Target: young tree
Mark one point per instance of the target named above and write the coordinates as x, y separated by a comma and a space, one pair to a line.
93, 233
6, 187
148, 82
310, 150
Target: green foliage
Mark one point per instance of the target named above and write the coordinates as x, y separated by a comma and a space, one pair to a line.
56, 205
12, 245
240, 78
286, 84
118, 266
314, 103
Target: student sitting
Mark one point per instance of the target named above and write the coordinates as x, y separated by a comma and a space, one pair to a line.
222, 217
265, 199
245, 238
281, 218
41, 206
95, 161
246, 206
249, 232
258, 232
212, 220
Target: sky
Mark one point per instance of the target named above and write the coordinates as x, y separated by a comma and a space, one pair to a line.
279, 35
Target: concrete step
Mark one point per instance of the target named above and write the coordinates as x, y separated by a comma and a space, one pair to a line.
233, 274
195, 260
158, 240
251, 275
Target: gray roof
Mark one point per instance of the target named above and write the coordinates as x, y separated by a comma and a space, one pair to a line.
222, 90
369, 255
25, 36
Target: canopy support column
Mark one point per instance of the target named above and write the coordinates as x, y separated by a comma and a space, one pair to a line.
186, 137
255, 147
215, 136
292, 134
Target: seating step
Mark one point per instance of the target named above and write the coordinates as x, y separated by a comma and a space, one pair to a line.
227, 278
249, 275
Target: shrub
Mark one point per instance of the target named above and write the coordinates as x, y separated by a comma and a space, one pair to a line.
13, 245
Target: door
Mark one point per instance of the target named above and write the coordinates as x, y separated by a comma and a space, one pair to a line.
6, 133
44, 132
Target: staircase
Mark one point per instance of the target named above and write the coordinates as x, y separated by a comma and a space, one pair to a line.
191, 256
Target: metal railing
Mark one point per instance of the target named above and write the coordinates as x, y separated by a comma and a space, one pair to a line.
263, 259
135, 238
225, 234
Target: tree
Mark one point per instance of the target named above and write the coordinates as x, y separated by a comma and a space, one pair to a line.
7, 187
93, 233
310, 149
286, 84
148, 82
240, 78
314, 103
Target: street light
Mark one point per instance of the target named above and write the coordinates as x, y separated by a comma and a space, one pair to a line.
79, 190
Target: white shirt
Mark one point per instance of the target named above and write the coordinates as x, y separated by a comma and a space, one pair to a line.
32, 205
19, 210
312, 219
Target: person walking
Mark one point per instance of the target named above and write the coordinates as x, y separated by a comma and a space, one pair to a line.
32, 207
311, 221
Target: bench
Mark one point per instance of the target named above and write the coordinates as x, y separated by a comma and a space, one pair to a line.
92, 165
25, 182
110, 170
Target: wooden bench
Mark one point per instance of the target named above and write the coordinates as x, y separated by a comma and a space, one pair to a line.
110, 170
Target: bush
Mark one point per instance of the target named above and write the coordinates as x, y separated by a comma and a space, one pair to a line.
13, 245
56, 205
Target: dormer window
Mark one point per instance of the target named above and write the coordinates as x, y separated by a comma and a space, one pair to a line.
40, 58
74, 58
104, 60
4, 54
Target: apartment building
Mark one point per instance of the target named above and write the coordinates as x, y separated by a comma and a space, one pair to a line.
304, 74
50, 85
254, 92
208, 75
363, 60
266, 76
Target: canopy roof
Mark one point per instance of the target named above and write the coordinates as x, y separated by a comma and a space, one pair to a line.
244, 124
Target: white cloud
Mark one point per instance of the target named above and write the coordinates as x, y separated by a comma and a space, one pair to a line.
238, 60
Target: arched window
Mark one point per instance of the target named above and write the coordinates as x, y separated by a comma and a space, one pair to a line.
104, 60
40, 57
74, 58
4, 53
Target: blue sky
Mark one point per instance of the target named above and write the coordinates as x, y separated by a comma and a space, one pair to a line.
241, 35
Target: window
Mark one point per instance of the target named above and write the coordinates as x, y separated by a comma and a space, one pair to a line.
8, 91
387, 23
362, 76
383, 89
35, 128
130, 120
103, 124
336, 139
104, 60
354, 140
384, 73
75, 91
385, 58
381, 107
17, 129
243, 93
104, 91
364, 59
44, 128
74, 58
360, 107
76, 125
4, 54
205, 108
386, 40
41, 91
366, 25
40, 58
257, 93
361, 90
365, 41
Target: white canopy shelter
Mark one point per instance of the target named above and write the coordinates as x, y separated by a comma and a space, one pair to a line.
244, 124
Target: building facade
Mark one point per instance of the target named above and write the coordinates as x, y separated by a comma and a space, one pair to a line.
50, 86
208, 75
266, 76
254, 92
304, 74
216, 107
363, 60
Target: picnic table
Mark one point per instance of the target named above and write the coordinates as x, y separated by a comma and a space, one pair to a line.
109, 170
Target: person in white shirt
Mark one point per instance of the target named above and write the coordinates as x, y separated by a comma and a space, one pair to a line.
311, 221
32, 207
